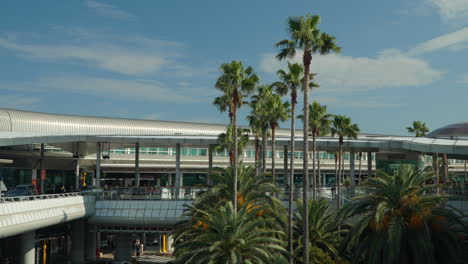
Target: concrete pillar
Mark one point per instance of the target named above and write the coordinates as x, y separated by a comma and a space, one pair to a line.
137, 165
465, 175
352, 176
369, 164
123, 247
98, 164
169, 242
178, 179
78, 241
33, 177
28, 247
210, 162
159, 239
143, 239
91, 244
77, 174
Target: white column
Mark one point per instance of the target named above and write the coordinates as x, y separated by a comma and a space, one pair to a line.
77, 174
137, 165
78, 239
369, 164
170, 249
98, 164
28, 247
178, 177
352, 176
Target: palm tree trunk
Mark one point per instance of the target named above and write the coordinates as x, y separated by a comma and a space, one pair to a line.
273, 149
320, 178
257, 154
264, 149
291, 177
314, 174
340, 175
307, 58
234, 122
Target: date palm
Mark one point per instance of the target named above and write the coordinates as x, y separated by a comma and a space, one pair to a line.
305, 36
235, 83
225, 235
319, 124
324, 231
419, 129
399, 219
342, 127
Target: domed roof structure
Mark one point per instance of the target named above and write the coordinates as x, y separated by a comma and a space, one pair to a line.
453, 131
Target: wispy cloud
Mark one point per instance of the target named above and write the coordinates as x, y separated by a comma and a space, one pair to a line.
453, 41
451, 11
108, 57
17, 102
390, 68
108, 10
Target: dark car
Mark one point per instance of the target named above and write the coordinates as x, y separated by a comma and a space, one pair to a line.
22, 190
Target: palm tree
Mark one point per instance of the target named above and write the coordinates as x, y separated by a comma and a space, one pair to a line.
324, 231
235, 83
259, 114
419, 129
225, 235
305, 36
277, 111
398, 219
319, 123
289, 82
342, 127
225, 141
256, 128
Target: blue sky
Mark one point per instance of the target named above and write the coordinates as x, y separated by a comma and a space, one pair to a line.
401, 60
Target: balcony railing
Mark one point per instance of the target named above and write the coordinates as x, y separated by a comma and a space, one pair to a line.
38, 197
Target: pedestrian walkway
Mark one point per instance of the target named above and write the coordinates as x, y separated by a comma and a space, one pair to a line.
153, 259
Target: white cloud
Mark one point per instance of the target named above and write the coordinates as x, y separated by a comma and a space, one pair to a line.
108, 10
390, 68
17, 102
451, 11
144, 90
140, 60
453, 41
464, 78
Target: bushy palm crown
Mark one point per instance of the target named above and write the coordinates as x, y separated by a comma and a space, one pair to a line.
292, 80
276, 110
419, 129
319, 119
400, 220
235, 83
307, 37
225, 141
342, 127
323, 227
221, 235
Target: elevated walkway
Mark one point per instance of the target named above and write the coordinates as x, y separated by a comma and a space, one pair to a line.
26, 213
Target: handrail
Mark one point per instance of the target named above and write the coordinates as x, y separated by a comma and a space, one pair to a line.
38, 197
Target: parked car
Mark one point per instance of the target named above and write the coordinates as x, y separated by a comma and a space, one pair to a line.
21, 190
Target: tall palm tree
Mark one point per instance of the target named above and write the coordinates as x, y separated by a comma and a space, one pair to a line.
319, 123
259, 113
324, 231
305, 36
225, 235
235, 83
225, 141
290, 82
398, 219
277, 111
256, 128
419, 129
342, 127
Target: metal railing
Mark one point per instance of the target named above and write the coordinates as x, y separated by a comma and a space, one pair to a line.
149, 193
38, 197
